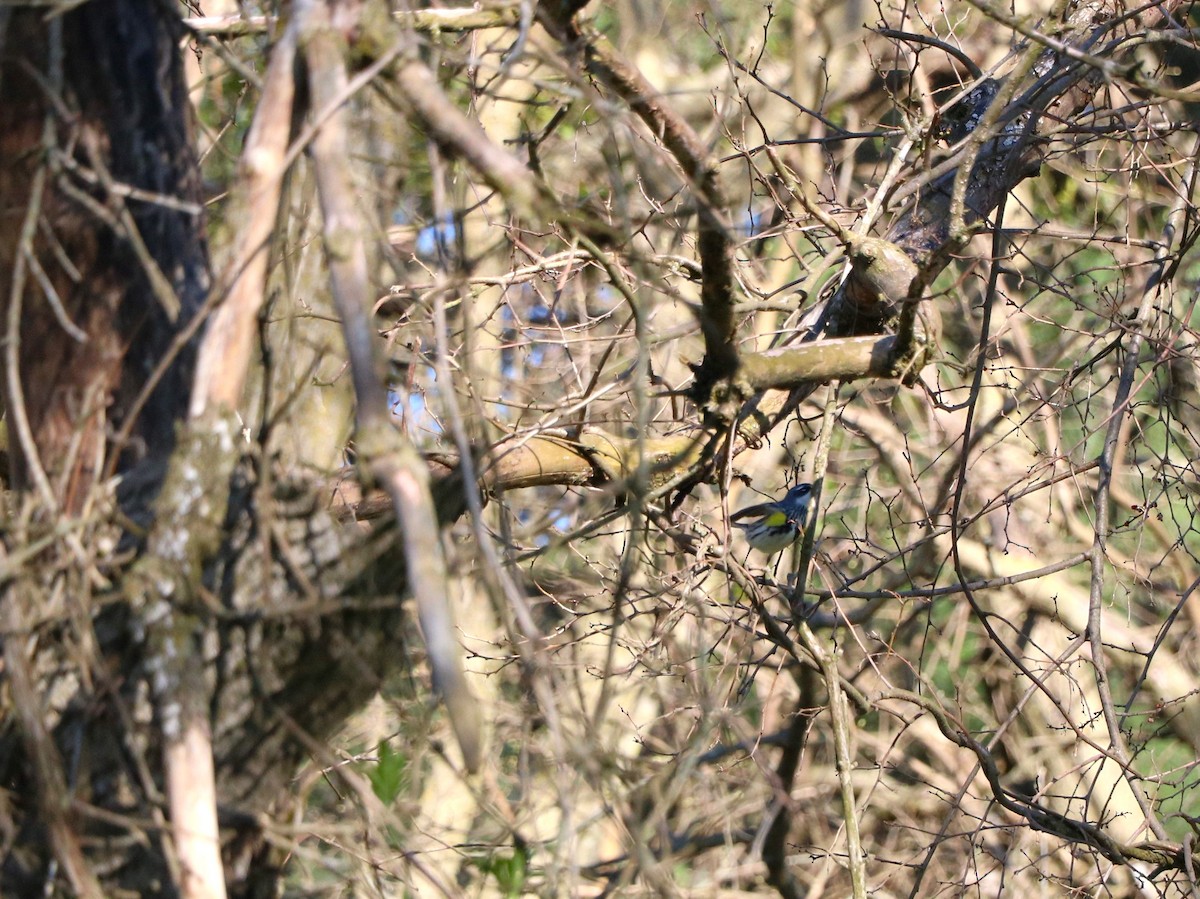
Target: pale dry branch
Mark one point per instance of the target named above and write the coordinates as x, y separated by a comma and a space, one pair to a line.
434, 21
225, 352
385, 455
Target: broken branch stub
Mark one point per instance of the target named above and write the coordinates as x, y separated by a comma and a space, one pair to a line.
879, 282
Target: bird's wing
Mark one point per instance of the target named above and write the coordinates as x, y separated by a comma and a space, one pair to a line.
752, 511
769, 513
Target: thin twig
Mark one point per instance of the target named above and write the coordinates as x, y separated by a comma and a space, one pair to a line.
15, 401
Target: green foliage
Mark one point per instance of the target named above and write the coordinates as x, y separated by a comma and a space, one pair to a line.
510, 869
390, 775
224, 111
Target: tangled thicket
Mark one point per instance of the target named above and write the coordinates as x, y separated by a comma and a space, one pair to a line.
976, 676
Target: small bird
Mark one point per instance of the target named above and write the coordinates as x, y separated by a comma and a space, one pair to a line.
773, 527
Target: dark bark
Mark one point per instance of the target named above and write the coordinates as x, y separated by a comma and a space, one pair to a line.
103, 268
97, 100
301, 617
135, 89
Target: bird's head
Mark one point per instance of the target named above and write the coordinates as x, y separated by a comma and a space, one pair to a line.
798, 493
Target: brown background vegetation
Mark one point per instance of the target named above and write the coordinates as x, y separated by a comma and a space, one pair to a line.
387, 552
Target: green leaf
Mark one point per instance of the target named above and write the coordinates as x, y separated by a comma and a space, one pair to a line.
390, 774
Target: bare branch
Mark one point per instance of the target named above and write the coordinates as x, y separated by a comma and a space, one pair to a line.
386, 457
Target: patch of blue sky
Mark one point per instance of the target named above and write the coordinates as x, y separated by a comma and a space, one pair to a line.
751, 223
437, 241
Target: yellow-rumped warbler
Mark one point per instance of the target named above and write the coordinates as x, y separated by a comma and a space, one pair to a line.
772, 527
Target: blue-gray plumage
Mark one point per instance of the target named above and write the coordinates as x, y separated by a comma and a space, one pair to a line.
772, 527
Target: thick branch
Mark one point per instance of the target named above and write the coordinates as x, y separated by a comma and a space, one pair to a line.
1064, 86
820, 362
